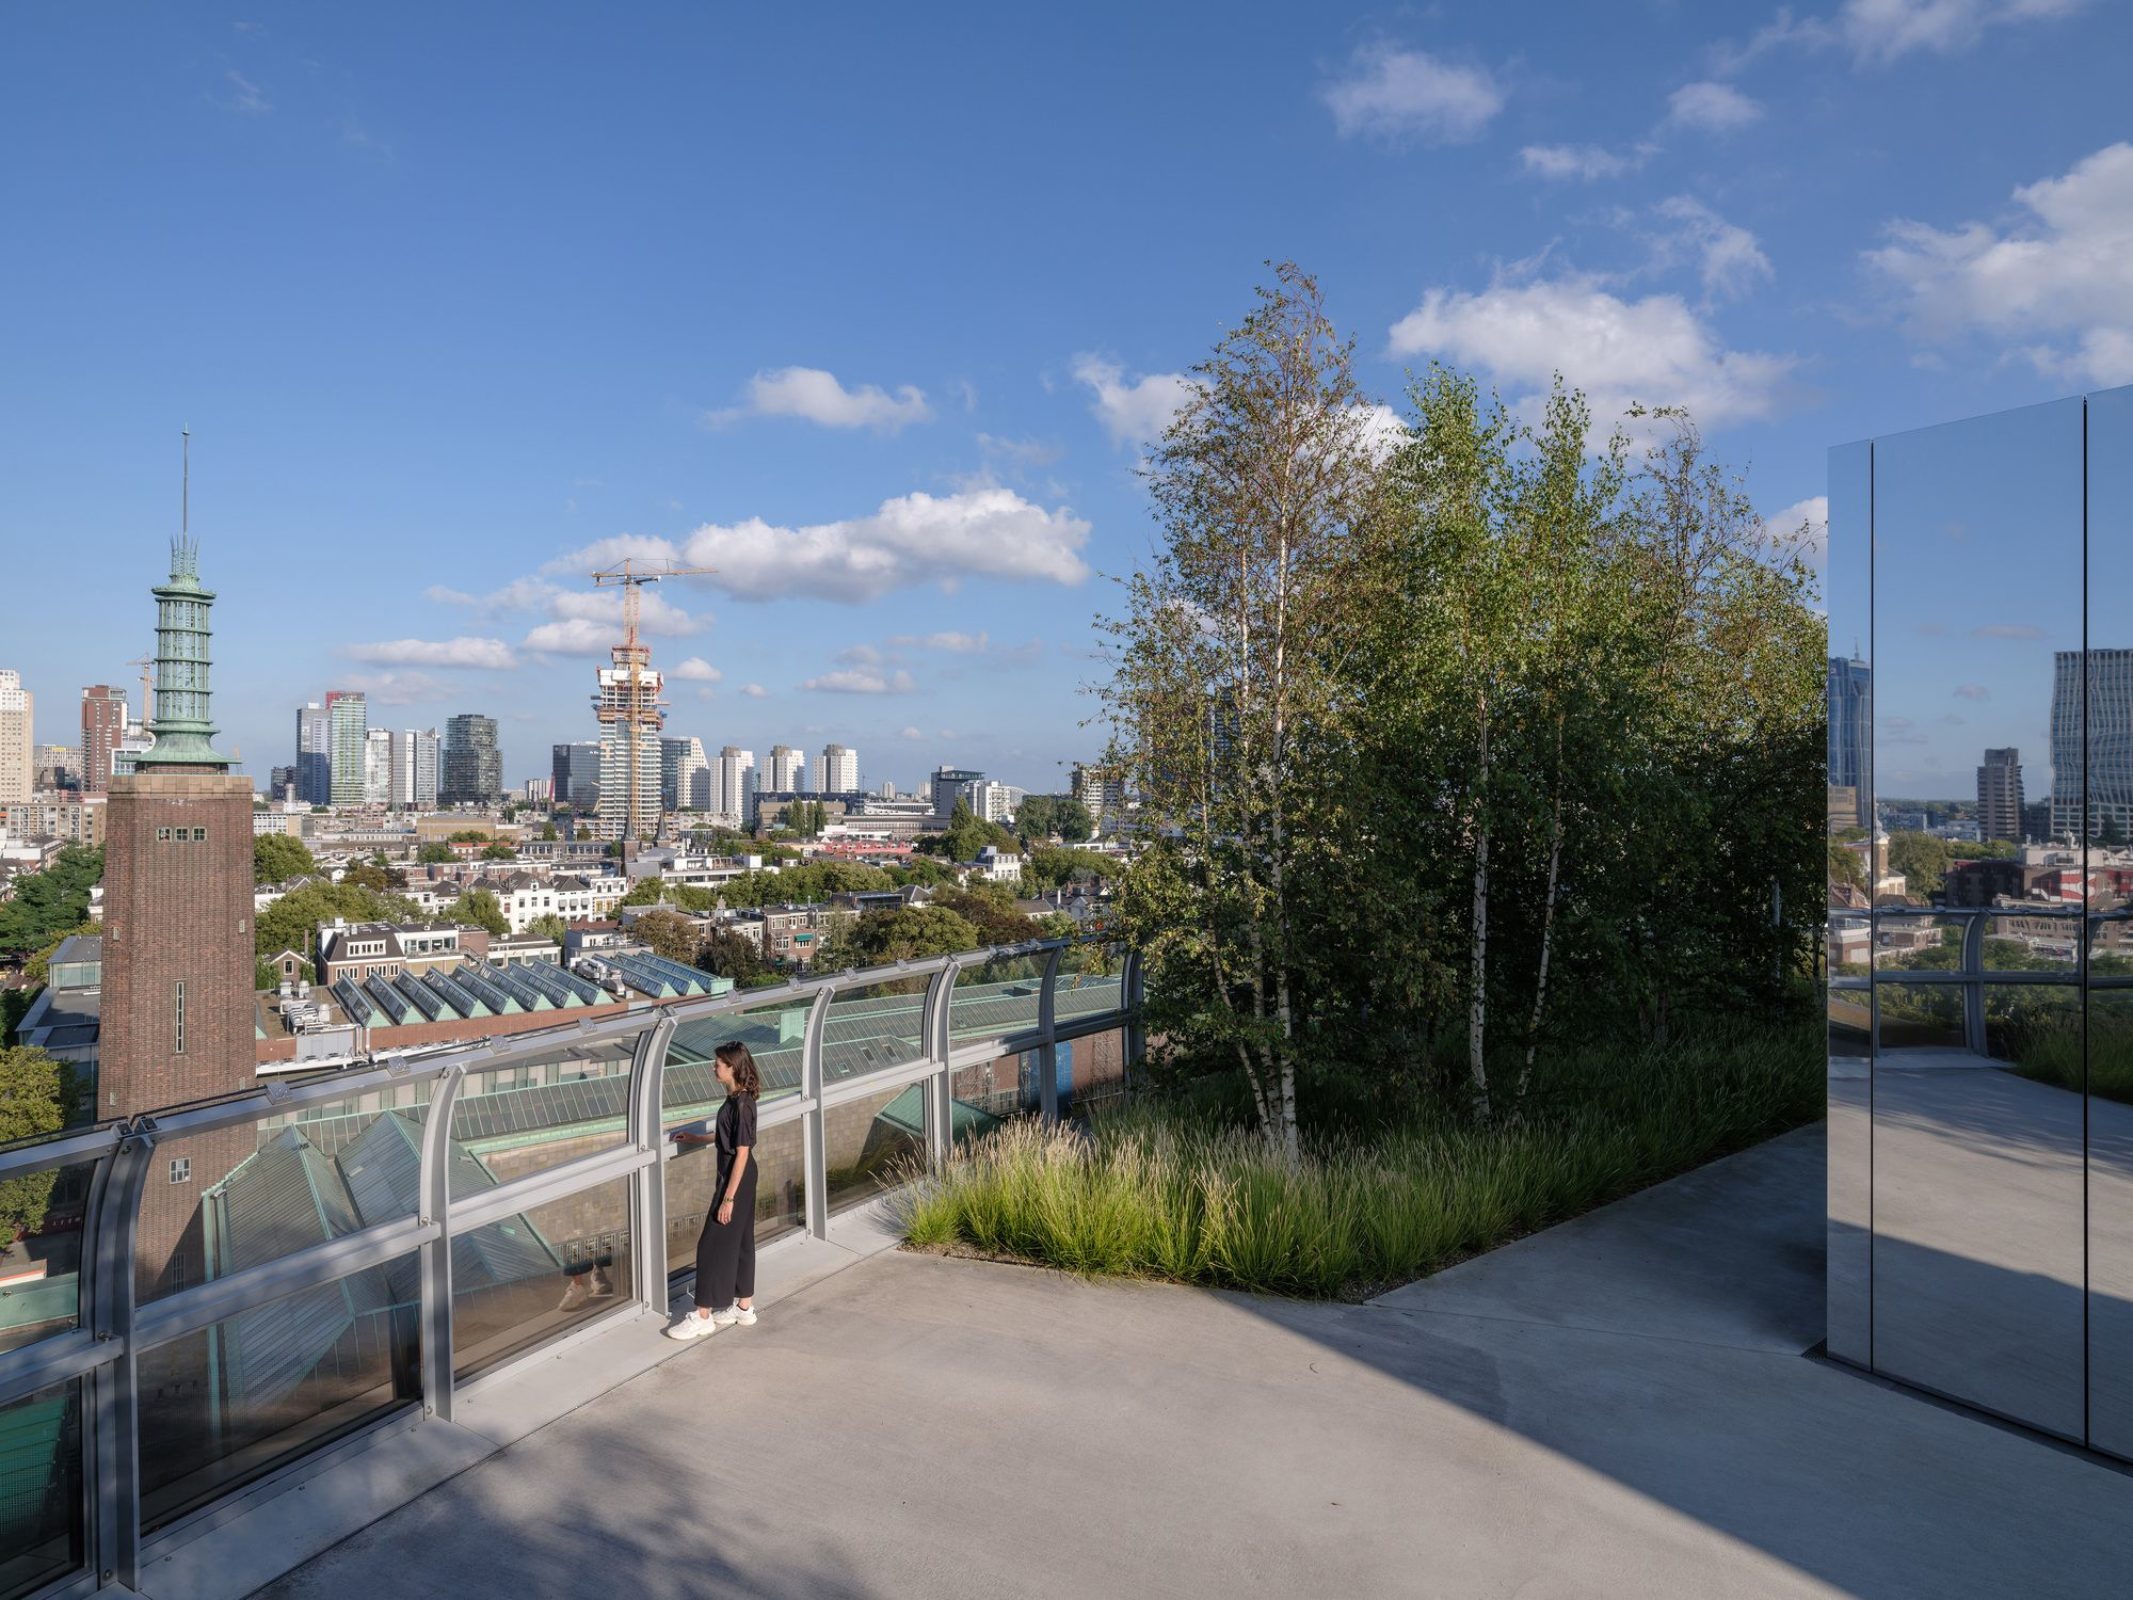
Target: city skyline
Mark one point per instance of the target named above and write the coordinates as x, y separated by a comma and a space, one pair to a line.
908, 446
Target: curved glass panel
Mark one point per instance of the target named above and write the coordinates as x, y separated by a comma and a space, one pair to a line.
41, 1526
511, 1122
873, 1028
40, 1271
534, 1276
774, 1034
996, 999
872, 1143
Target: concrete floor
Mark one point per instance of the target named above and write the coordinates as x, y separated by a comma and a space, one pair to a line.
1618, 1407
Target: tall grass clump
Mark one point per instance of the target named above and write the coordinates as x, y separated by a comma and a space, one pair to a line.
1167, 1193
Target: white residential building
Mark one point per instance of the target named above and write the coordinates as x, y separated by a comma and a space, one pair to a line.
788, 769
378, 767
737, 785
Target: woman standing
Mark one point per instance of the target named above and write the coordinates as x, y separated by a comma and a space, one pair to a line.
725, 1254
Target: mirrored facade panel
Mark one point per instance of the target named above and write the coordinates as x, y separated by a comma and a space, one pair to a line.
1974, 867
873, 1027
511, 1122
872, 1143
534, 1276
2108, 1061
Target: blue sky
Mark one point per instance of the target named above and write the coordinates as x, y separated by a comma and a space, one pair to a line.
870, 307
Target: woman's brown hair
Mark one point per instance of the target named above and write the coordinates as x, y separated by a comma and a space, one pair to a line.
736, 1055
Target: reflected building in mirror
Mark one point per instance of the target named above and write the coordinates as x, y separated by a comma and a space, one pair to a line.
2109, 757
1850, 712
1999, 796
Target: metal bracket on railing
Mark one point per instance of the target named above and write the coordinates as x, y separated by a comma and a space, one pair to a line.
814, 1148
112, 1392
434, 1259
1974, 988
648, 1186
1048, 1050
936, 1037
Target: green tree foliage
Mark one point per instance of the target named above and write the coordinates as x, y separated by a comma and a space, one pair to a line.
470, 836
966, 835
875, 938
549, 927
434, 854
548, 830
668, 934
291, 922
498, 851
1456, 739
37, 1097
48, 904
727, 954
918, 869
482, 909
1053, 867
375, 876
1924, 860
277, 858
1044, 815
989, 908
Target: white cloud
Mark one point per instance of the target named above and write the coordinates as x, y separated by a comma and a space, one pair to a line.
575, 636
1137, 412
696, 670
1381, 429
816, 396
1018, 452
913, 539
1972, 691
1810, 515
910, 733
461, 652
1586, 162
245, 98
1654, 351
2055, 279
861, 680
859, 655
1388, 93
754, 691
400, 688
1731, 261
1711, 107
1879, 31
962, 644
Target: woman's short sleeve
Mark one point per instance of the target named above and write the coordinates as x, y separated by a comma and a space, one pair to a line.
743, 1120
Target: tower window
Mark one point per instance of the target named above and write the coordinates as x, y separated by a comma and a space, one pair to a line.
178, 1020
181, 1169
163, 836
199, 836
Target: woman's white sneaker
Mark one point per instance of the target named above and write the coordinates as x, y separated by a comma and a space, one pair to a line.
693, 1327
734, 1316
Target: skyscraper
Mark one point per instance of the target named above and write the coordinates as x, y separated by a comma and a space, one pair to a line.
952, 785
576, 771
1850, 728
679, 762
788, 769
737, 784
473, 763
414, 768
1999, 795
314, 755
103, 729
837, 772
631, 714
378, 767
18, 738
348, 739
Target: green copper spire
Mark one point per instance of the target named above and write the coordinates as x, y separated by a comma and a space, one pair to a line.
183, 733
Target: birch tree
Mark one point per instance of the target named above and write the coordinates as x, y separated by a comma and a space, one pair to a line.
1225, 671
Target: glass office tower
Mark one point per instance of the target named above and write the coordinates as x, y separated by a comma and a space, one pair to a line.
1981, 1020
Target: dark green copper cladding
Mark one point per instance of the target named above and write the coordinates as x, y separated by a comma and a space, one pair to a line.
183, 734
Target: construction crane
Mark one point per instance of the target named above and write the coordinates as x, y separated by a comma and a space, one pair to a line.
638, 709
147, 666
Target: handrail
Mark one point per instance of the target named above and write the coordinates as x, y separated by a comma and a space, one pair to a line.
95, 1361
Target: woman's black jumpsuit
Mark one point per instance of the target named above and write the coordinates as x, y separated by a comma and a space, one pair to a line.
725, 1253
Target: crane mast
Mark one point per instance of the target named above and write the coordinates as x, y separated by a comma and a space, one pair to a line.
629, 698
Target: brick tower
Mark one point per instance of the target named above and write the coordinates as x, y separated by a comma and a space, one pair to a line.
177, 999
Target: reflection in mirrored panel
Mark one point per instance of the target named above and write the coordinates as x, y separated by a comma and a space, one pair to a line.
532, 1277
691, 1177
774, 1034
1976, 767
2109, 1059
872, 1143
1850, 926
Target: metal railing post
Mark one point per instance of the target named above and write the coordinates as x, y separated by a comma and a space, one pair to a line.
1131, 992
814, 1147
1974, 985
434, 1258
1048, 1049
648, 1187
935, 1039
113, 1390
